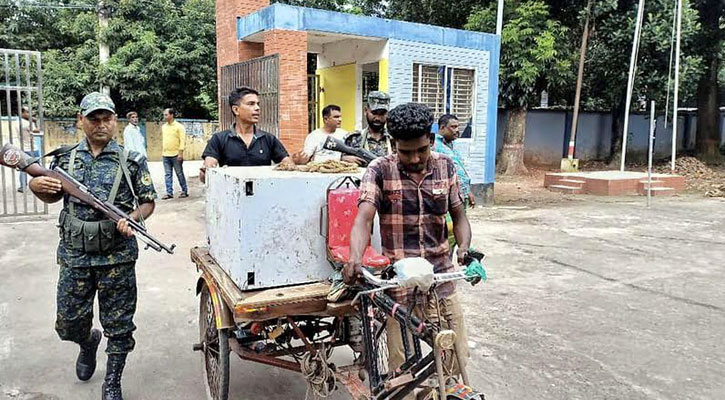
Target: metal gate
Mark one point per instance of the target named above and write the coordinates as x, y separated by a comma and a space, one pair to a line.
313, 101
21, 123
261, 74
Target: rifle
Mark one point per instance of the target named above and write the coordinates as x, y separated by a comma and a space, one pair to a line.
12, 157
334, 144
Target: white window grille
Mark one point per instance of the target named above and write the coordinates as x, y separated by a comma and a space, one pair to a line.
446, 90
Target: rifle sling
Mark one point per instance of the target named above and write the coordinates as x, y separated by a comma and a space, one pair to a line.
121, 171
71, 168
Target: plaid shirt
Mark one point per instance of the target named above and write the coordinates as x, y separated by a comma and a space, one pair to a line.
412, 215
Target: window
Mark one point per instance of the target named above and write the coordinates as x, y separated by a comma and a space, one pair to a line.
462, 93
429, 82
428, 87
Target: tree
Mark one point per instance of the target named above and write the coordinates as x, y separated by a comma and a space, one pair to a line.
32, 27
359, 7
163, 54
710, 39
534, 57
605, 84
453, 14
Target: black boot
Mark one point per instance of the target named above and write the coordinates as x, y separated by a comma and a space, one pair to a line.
86, 362
112, 384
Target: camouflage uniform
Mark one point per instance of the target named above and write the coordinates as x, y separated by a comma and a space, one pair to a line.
380, 148
109, 271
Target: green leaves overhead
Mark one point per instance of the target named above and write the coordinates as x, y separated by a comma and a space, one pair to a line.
534, 52
163, 54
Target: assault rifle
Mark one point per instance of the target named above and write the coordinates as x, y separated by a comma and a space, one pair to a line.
11, 156
334, 144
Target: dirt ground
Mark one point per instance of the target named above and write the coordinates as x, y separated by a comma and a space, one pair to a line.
587, 298
700, 179
527, 190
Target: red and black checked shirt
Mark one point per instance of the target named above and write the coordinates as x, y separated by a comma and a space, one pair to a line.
412, 215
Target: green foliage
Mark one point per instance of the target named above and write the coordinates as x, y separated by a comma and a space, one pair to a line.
609, 52
332, 5
357, 7
534, 54
163, 54
453, 13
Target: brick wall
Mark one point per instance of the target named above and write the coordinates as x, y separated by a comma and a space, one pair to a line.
228, 49
292, 49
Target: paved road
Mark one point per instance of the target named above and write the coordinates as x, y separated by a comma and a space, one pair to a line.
598, 299
602, 299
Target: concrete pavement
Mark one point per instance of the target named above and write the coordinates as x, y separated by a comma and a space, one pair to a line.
599, 299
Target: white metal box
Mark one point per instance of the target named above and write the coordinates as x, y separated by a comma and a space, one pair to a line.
264, 226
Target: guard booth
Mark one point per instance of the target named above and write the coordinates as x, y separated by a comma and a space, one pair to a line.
21, 124
337, 58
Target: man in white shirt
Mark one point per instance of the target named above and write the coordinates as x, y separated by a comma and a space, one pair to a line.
313, 150
132, 138
24, 135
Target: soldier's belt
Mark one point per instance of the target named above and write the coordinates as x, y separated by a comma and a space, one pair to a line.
94, 237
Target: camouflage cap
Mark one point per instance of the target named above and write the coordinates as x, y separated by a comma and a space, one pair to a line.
378, 101
96, 101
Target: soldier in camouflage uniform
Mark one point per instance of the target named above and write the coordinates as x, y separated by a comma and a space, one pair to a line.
95, 254
375, 137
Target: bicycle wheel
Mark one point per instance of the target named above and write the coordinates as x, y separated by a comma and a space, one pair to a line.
215, 350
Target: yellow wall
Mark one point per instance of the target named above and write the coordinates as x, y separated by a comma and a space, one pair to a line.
339, 88
383, 75
62, 132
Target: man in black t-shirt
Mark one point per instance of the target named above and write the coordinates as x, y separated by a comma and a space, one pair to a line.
243, 144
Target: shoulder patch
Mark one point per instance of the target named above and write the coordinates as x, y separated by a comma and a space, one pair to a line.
146, 178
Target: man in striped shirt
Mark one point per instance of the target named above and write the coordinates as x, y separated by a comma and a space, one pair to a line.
412, 191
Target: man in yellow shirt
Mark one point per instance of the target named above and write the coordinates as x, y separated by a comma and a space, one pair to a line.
173, 138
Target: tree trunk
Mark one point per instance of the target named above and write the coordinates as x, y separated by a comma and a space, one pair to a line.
615, 149
511, 161
708, 117
709, 41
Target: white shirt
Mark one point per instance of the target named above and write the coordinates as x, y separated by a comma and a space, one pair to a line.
315, 140
133, 140
23, 134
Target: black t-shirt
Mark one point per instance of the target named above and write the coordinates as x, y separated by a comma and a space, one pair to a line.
227, 147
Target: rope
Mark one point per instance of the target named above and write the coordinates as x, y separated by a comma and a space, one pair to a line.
325, 167
321, 380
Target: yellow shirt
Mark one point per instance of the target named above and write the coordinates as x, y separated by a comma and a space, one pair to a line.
173, 138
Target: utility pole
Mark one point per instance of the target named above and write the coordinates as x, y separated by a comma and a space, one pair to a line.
104, 51
677, 84
630, 79
569, 164
650, 149
499, 18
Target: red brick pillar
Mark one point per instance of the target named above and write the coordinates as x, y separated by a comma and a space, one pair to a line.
292, 49
229, 50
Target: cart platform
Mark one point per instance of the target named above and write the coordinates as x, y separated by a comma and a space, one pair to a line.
265, 304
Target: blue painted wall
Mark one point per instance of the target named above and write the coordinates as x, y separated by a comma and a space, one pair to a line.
282, 16
546, 136
403, 54
410, 43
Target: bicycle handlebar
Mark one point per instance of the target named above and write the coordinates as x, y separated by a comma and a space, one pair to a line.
473, 273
